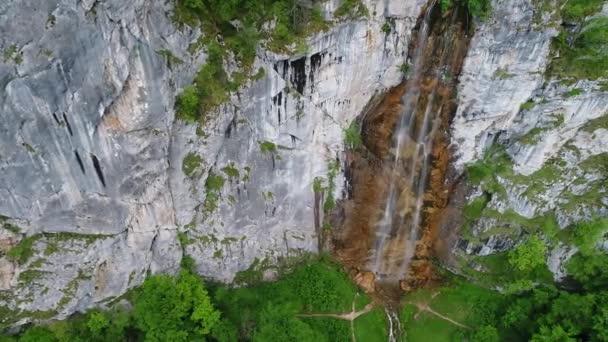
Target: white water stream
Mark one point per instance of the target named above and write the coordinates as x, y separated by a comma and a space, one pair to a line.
399, 226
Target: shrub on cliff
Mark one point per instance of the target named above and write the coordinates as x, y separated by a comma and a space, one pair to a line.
187, 104
582, 56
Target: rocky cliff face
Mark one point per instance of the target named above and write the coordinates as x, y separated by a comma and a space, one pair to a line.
100, 185
552, 132
98, 179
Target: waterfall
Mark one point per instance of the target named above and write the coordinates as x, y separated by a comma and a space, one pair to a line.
397, 231
395, 331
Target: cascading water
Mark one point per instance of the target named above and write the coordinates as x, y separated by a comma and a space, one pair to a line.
397, 232
398, 178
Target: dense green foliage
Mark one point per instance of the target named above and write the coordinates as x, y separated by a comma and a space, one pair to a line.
585, 235
179, 308
478, 8
164, 309
548, 314
542, 313
576, 10
267, 311
529, 254
465, 303
174, 309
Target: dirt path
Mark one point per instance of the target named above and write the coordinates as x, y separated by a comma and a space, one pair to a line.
349, 316
427, 308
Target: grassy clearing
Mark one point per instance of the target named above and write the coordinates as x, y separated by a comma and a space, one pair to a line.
371, 327
425, 327
465, 303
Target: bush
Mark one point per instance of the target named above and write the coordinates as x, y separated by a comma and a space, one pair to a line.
352, 136
478, 8
386, 28
529, 255
190, 163
590, 270
350, 9
187, 104
585, 235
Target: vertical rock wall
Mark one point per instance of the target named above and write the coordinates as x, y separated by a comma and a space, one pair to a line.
92, 160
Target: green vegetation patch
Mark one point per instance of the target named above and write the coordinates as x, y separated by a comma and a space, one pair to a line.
528, 255
473, 210
231, 171
371, 326
472, 306
271, 309
350, 9
352, 135
543, 313
577, 10
476, 8
11, 228
172, 61
226, 41
213, 187
527, 105
24, 250
582, 56
532, 137
332, 172
586, 235
29, 276
574, 92
191, 162
503, 73
597, 123
268, 147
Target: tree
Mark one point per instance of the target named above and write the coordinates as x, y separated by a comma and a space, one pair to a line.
278, 323
225, 331
97, 322
586, 235
552, 334
174, 309
527, 256
486, 333
38, 334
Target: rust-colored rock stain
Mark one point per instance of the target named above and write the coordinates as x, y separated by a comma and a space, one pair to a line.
369, 167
